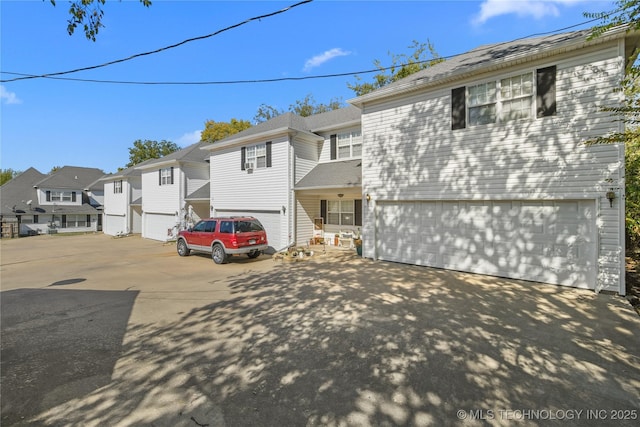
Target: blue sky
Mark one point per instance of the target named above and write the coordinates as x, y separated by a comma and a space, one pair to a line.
46, 123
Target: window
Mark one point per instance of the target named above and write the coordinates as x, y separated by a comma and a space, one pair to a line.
482, 104
256, 156
226, 227
346, 145
340, 212
117, 186
166, 176
510, 98
61, 196
205, 226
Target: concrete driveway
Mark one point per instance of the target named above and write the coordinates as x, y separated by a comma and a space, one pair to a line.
100, 331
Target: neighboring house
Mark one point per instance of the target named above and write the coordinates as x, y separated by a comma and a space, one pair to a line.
52, 203
290, 171
479, 164
172, 188
123, 201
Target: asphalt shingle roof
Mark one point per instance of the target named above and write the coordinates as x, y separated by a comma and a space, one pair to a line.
347, 173
192, 153
71, 177
201, 193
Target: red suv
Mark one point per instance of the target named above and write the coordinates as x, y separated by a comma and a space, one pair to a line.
223, 237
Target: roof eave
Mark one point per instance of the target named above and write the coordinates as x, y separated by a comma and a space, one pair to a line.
456, 75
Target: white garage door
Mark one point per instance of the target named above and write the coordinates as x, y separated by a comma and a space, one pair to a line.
271, 221
157, 226
544, 241
114, 224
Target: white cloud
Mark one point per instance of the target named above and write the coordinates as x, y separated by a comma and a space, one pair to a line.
189, 138
324, 57
534, 8
8, 97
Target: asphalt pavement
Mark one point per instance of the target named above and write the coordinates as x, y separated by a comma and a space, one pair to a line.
102, 331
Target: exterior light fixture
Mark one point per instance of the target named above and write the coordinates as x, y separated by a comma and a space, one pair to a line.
340, 195
611, 195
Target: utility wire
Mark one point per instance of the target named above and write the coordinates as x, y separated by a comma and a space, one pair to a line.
271, 80
93, 67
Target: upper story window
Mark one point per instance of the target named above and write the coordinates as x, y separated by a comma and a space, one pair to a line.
60, 196
117, 186
506, 99
165, 176
346, 145
501, 100
256, 156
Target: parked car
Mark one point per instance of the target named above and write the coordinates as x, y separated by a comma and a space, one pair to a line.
224, 237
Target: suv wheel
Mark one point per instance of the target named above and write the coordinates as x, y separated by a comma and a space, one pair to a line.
183, 250
253, 254
218, 254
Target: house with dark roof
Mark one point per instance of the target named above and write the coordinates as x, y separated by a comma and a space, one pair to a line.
172, 192
299, 176
65, 201
478, 163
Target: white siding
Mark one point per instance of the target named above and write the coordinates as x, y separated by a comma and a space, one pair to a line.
306, 158
263, 189
410, 152
197, 175
158, 198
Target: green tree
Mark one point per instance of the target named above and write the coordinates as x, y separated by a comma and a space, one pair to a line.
627, 12
54, 169
147, 149
424, 56
7, 175
88, 14
303, 107
308, 107
265, 113
215, 131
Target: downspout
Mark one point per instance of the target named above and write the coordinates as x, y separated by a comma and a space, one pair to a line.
622, 185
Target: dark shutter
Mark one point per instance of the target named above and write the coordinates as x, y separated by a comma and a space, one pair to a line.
269, 154
243, 157
88, 220
323, 210
64, 221
35, 219
546, 91
73, 196
48, 196
334, 147
160, 177
458, 108
172, 174
358, 212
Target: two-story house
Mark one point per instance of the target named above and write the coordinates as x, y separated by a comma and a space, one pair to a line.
290, 171
123, 201
479, 163
60, 202
172, 188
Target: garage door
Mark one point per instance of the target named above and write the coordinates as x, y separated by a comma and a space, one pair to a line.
156, 226
271, 221
114, 224
543, 241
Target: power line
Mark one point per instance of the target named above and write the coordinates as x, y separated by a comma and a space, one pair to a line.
93, 67
267, 80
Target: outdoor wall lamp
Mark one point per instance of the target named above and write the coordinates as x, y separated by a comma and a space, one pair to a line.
368, 197
611, 195
340, 195
284, 210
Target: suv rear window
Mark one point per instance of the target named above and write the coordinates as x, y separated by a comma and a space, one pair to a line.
249, 226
